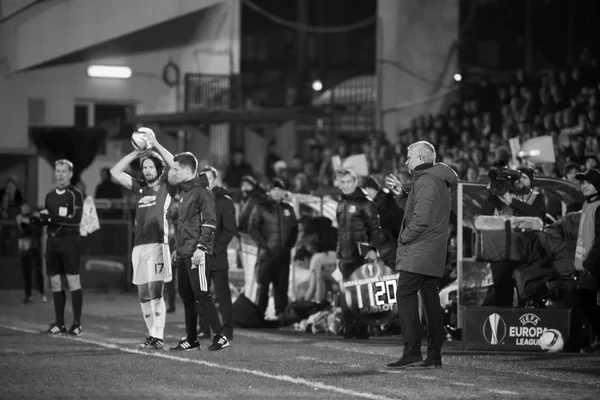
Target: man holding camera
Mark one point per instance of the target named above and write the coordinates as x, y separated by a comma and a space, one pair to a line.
511, 195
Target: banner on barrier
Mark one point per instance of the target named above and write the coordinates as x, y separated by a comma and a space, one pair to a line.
511, 329
370, 293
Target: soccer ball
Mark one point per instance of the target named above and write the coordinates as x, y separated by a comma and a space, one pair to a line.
139, 141
552, 341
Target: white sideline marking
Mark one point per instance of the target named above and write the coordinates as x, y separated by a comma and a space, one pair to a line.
274, 337
278, 377
462, 384
306, 358
499, 391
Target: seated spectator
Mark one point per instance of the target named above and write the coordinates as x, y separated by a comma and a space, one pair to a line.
321, 267
11, 199
300, 184
320, 236
237, 169
570, 171
591, 162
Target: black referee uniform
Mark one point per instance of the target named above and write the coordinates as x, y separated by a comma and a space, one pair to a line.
63, 246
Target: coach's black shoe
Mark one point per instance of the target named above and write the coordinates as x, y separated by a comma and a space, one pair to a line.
219, 342
27, 300
186, 345
156, 344
75, 330
429, 363
406, 362
55, 329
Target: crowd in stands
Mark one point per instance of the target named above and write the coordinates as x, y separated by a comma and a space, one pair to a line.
563, 103
470, 136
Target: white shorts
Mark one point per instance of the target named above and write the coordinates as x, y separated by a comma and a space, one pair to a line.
151, 263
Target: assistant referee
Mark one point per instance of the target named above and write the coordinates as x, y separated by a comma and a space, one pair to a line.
62, 213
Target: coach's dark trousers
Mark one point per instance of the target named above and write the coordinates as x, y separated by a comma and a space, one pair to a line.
409, 284
193, 289
220, 278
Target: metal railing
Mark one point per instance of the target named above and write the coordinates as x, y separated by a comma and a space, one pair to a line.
211, 91
350, 105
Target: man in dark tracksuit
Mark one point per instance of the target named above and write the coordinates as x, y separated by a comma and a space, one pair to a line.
274, 227
195, 228
358, 222
217, 262
421, 253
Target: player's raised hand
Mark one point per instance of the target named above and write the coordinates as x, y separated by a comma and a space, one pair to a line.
149, 133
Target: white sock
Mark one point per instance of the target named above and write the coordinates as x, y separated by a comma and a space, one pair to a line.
148, 315
159, 310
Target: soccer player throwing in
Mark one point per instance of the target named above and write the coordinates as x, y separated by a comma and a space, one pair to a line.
150, 257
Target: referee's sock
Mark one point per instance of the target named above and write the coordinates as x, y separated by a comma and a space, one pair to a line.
159, 310
77, 299
148, 315
60, 299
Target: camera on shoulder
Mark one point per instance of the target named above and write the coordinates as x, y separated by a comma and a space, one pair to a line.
502, 180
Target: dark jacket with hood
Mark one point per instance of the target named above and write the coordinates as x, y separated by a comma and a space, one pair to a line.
196, 220
423, 239
358, 222
274, 228
225, 231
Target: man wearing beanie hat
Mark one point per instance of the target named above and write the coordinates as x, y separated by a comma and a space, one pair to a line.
587, 253
522, 201
274, 228
276, 183
527, 171
249, 180
371, 183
